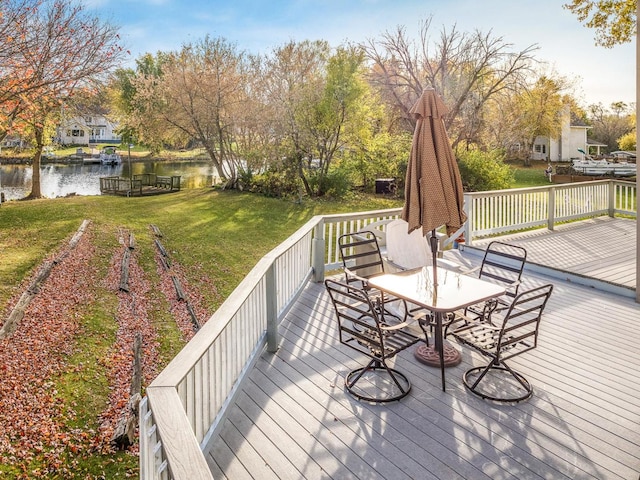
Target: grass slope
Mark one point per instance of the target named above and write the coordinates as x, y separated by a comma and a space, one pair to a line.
216, 238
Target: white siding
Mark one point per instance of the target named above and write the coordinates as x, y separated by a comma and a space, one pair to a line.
84, 130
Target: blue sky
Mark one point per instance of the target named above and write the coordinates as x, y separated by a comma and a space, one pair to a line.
603, 75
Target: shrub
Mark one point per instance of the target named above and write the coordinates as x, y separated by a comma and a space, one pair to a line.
334, 184
275, 183
482, 171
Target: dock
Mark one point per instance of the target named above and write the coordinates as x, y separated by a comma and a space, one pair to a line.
140, 185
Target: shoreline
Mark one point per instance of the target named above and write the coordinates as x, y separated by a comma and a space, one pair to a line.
74, 161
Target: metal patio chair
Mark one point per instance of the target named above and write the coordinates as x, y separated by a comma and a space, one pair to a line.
502, 263
361, 260
514, 334
361, 328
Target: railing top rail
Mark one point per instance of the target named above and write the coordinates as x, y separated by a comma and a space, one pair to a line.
179, 367
356, 216
180, 446
575, 185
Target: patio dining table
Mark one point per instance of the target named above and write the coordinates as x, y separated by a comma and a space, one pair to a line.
454, 292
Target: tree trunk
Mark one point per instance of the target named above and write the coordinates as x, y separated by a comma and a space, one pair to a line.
302, 176
217, 163
35, 182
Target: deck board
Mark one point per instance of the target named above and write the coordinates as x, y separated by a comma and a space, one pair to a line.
294, 419
602, 248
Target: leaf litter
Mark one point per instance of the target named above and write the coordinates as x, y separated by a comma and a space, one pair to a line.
34, 419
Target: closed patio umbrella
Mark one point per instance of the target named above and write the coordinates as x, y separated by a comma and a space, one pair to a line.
433, 188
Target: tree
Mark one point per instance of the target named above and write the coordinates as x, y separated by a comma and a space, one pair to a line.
15, 82
482, 171
614, 21
329, 117
195, 94
62, 51
541, 111
120, 93
467, 70
293, 79
135, 100
538, 111
610, 124
628, 140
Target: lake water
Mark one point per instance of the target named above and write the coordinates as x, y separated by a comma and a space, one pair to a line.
58, 180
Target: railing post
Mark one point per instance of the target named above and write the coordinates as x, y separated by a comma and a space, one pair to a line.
272, 309
551, 209
468, 225
612, 198
317, 252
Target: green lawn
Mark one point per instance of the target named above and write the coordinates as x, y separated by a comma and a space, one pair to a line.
532, 176
216, 236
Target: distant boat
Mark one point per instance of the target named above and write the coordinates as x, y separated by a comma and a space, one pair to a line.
109, 156
590, 166
90, 159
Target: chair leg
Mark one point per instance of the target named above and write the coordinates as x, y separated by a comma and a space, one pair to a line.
524, 384
380, 370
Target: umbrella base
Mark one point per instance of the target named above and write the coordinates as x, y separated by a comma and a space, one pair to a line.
429, 355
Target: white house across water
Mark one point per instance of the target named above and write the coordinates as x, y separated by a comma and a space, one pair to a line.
573, 137
90, 128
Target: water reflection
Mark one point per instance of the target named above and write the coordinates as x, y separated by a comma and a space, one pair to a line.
58, 180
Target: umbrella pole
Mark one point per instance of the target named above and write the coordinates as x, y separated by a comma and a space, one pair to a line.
439, 340
434, 253
435, 356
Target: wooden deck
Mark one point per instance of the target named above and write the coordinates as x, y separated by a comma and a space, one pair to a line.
600, 252
294, 419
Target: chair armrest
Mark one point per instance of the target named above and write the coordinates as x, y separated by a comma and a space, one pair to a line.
514, 284
418, 314
354, 276
396, 326
469, 271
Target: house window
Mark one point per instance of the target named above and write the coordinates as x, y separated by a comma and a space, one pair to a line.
540, 148
87, 119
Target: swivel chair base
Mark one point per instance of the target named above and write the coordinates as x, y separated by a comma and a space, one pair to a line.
363, 383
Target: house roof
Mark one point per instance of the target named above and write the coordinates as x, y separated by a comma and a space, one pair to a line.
577, 121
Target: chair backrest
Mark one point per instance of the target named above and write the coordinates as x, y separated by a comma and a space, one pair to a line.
503, 263
360, 326
407, 250
521, 323
360, 255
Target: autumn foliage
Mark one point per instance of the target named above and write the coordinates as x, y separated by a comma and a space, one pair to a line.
50, 51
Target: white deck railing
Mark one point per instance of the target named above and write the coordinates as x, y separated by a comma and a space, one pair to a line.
502, 211
186, 404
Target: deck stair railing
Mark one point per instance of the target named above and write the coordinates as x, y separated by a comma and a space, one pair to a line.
186, 404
